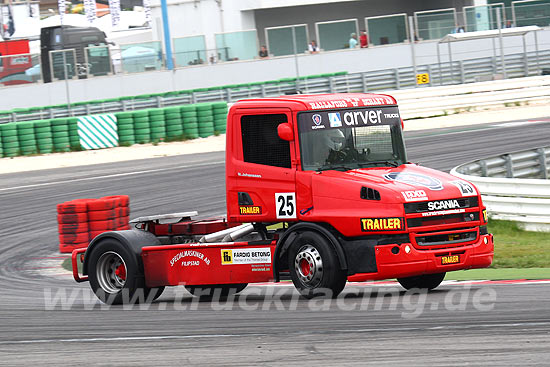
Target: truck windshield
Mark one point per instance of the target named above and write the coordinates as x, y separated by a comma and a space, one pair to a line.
351, 139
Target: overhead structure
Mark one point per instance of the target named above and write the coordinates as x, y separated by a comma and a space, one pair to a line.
489, 34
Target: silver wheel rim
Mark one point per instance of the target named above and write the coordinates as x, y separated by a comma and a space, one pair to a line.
309, 266
109, 279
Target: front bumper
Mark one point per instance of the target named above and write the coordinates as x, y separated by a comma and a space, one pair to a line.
417, 262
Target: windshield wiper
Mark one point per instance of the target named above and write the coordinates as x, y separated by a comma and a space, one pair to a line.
338, 167
387, 163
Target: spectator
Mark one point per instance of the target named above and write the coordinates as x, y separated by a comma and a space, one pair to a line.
458, 30
263, 52
353, 40
509, 24
312, 47
364, 39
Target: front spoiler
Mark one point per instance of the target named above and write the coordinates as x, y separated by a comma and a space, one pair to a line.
418, 262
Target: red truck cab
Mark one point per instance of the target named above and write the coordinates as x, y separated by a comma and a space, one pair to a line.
324, 188
14, 61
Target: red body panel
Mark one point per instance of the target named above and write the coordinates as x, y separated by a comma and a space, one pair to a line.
211, 263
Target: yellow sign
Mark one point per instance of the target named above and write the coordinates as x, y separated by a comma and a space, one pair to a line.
250, 210
451, 259
423, 78
227, 257
381, 224
485, 215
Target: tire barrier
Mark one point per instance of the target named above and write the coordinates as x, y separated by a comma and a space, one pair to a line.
81, 220
190, 121
60, 135
10, 143
206, 118
44, 138
230, 92
174, 123
158, 125
125, 128
219, 110
133, 127
142, 127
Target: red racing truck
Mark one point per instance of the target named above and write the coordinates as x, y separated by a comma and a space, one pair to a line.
318, 188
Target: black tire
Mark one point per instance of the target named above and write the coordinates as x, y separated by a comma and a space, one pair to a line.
115, 277
425, 281
208, 291
314, 266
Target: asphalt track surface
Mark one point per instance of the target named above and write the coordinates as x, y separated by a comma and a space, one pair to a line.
460, 324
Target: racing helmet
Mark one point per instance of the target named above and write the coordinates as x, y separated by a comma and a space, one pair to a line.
334, 139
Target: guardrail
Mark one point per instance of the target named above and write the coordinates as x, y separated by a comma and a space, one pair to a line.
514, 186
440, 101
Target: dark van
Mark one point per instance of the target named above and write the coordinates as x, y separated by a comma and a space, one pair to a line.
67, 37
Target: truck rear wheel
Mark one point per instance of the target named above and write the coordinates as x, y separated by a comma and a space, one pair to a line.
425, 281
114, 275
209, 291
314, 266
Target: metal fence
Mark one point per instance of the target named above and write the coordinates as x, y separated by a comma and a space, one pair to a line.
514, 186
459, 72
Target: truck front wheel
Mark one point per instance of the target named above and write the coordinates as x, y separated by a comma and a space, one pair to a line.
114, 275
425, 281
314, 266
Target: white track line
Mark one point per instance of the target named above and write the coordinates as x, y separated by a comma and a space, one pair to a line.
107, 176
347, 331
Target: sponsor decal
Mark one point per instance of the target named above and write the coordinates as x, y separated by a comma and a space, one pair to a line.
382, 224
466, 188
450, 259
365, 117
327, 104
443, 212
443, 205
317, 119
485, 215
240, 174
190, 253
250, 210
20, 60
335, 119
246, 256
415, 179
391, 115
377, 101
415, 195
260, 267
351, 102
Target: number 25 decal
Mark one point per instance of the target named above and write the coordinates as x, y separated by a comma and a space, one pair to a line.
285, 202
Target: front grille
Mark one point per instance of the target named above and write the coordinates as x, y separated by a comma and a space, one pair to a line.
447, 223
446, 239
442, 219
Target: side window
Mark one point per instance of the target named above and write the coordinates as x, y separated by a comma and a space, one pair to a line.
261, 143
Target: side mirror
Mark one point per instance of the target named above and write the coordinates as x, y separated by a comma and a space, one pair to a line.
285, 131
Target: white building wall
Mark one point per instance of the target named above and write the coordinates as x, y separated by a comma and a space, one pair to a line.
194, 17
358, 60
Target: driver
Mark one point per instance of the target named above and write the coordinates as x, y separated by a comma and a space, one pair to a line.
329, 141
